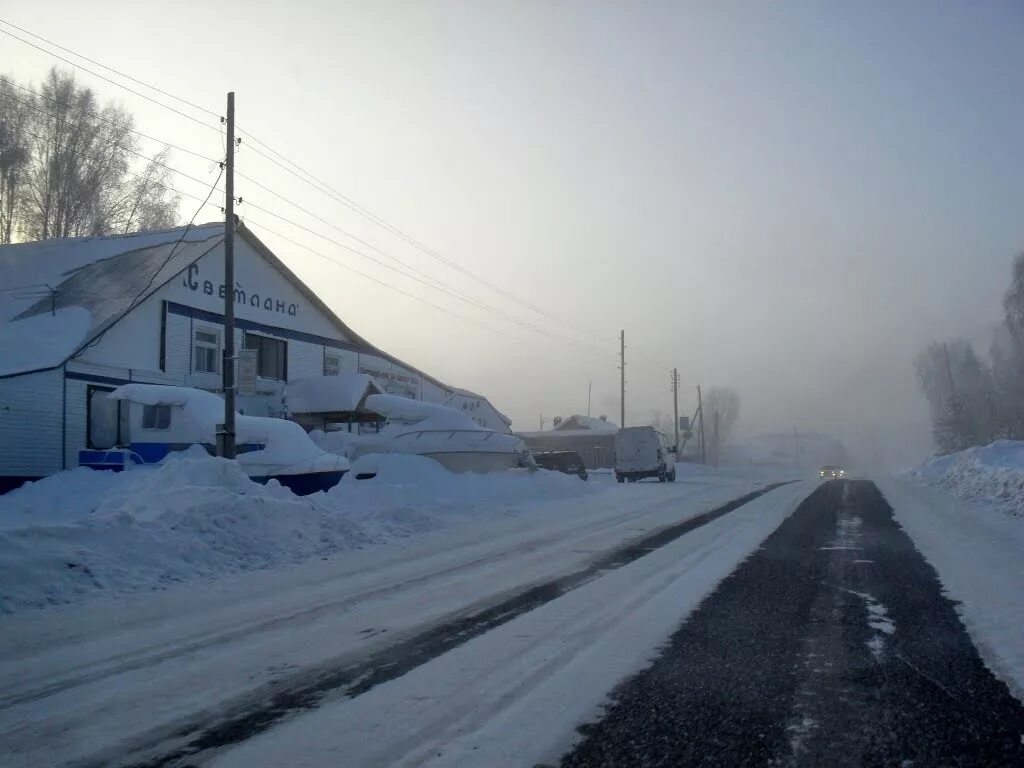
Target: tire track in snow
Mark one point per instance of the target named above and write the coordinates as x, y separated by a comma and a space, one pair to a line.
122, 662
249, 718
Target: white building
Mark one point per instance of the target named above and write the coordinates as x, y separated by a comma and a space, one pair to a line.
79, 317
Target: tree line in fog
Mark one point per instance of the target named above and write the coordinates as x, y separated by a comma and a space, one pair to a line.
974, 400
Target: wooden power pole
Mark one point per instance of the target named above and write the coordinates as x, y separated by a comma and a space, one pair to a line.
622, 378
227, 442
715, 437
675, 403
700, 412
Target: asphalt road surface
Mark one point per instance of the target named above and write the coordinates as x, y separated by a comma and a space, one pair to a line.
832, 645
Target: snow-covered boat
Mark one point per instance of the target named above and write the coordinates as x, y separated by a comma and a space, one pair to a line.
158, 420
444, 434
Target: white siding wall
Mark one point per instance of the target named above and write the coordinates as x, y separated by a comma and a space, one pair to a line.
178, 350
30, 424
305, 359
74, 434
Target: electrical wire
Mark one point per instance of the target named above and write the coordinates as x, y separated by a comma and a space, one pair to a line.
300, 173
440, 286
107, 79
109, 69
338, 197
248, 220
100, 117
140, 296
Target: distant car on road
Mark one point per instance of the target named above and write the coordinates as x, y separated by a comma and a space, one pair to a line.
831, 472
643, 452
569, 462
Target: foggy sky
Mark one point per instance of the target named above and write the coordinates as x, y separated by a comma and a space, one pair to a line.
790, 199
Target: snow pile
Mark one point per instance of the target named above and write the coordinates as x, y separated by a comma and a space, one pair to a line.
66, 497
991, 474
194, 516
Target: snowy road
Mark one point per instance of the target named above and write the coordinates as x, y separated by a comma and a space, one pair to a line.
833, 645
136, 679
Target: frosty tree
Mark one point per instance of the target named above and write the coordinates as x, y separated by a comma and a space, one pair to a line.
68, 166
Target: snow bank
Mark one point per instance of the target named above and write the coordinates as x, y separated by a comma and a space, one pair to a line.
977, 555
83, 533
991, 475
66, 497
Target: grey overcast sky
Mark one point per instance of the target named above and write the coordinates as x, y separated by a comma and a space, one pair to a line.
789, 198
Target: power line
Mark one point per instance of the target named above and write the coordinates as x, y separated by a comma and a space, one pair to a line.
107, 79
438, 307
97, 116
390, 287
141, 294
110, 69
327, 190
438, 286
306, 176
148, 159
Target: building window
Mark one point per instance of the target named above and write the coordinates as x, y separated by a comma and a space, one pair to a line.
332, 365
156, 416
206, 351
272, 356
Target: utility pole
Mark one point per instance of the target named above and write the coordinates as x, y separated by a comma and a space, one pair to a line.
590, 386
227, 445
715, 433
796, 447
675, 403
622, 378
700, 411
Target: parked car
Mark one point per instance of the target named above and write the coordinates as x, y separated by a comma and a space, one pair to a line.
643, 452
569, 462
831, 472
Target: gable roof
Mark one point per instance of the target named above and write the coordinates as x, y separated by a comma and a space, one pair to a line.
36, 265
109, 276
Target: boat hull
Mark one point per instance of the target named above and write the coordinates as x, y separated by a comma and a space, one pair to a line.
306, 483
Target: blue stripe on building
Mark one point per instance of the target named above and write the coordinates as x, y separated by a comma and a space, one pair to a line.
271, 330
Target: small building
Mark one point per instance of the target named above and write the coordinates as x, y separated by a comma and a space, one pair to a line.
333, 401
591, 437
90, 314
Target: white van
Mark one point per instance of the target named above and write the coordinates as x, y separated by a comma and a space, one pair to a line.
643, 452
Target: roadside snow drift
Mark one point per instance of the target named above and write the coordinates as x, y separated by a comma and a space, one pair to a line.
992, 475
83, 532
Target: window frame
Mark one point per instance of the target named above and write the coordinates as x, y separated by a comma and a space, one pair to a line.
262, 342
218, 348
156, 410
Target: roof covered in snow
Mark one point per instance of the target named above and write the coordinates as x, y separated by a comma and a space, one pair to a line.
49, 263
42, 341
74, 289
586, 423
107, 277
432, 415
342, 393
